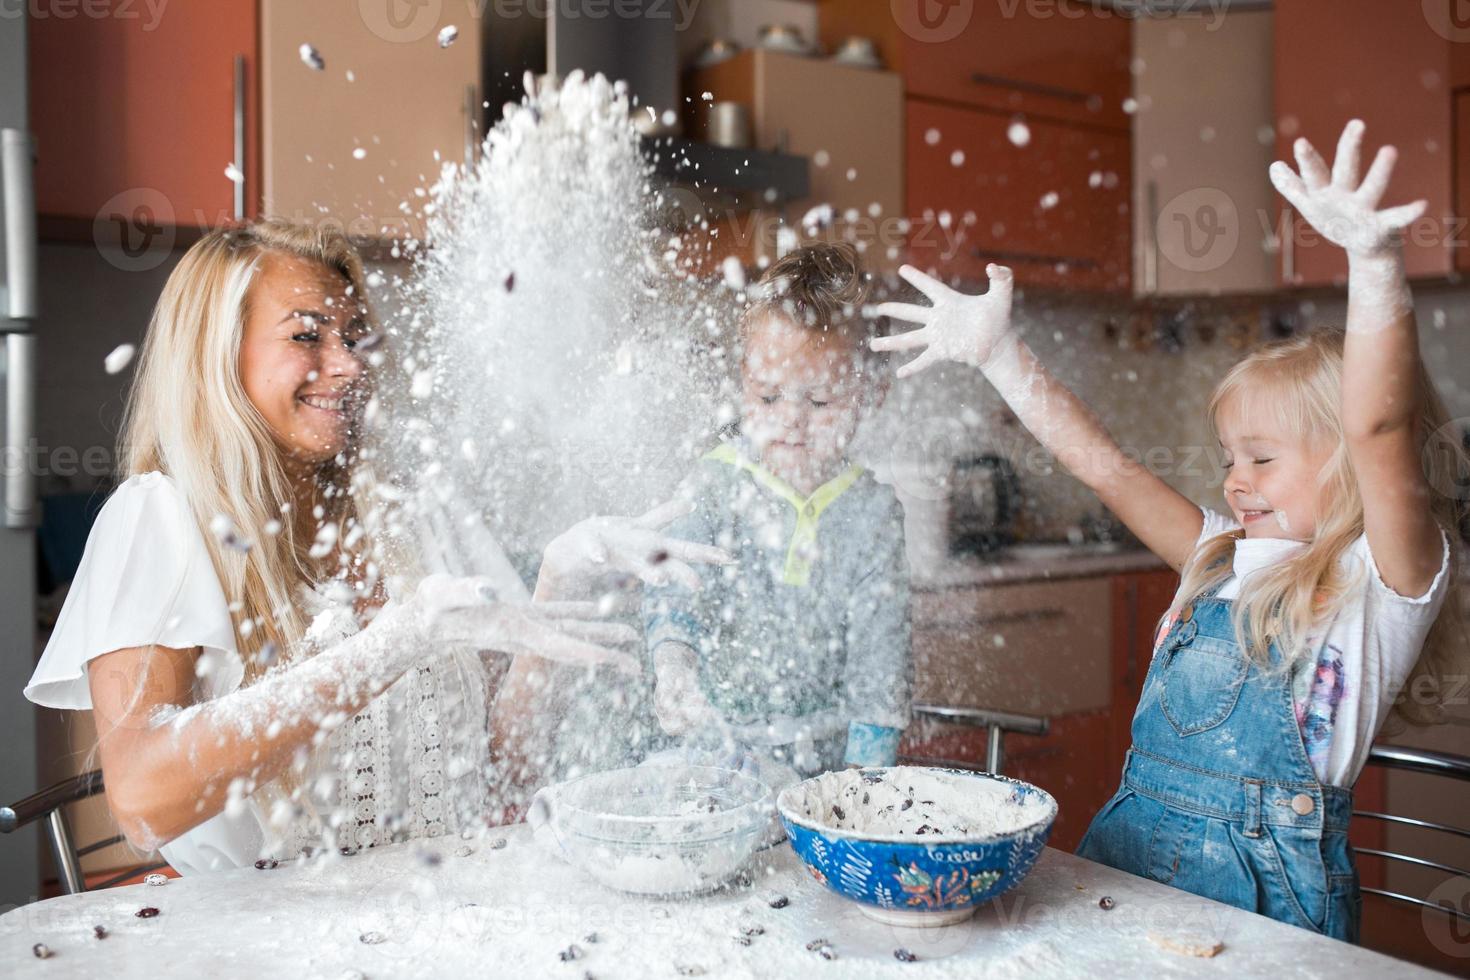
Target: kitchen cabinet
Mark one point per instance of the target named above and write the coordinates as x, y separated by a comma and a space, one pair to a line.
1203, 203
1074, 651
354, 142
855, 144
1323, 49
134, 116
1139, 602
1067, 60
1055, 209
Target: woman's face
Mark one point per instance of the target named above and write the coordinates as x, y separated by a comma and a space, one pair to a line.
297, 362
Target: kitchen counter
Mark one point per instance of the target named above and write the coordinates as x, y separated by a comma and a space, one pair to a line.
1034, 563
420, 910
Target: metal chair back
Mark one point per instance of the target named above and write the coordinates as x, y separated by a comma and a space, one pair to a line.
996, 724
50, 805
1445, 764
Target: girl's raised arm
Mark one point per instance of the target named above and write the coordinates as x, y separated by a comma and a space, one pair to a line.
976, 330
1381, 367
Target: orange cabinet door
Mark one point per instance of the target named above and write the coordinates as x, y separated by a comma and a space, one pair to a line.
1052, 202
139, 111
1323, 49
1065, 60
1140, 600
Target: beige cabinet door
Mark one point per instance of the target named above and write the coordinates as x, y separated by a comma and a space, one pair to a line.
855, 144
1203, 142
357, 141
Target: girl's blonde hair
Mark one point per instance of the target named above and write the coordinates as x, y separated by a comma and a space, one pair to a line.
1298, 383
188, 416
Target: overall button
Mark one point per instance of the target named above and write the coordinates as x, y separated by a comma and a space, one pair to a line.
1187, 614
1301, 804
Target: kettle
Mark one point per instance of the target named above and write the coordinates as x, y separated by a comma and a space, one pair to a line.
984, 498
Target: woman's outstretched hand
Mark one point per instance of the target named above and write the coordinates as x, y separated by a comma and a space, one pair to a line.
453, 610
1341, 204
956, 327
590, 557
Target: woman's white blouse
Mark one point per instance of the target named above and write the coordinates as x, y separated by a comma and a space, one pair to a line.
390, 772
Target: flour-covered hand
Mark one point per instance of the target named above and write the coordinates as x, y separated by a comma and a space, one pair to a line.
1340, 205
955, 326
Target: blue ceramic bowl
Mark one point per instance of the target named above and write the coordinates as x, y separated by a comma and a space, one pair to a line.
917, 846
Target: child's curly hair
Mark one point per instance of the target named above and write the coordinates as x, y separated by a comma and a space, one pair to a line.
822, 287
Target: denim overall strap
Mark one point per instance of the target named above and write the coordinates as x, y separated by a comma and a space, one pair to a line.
1218, 795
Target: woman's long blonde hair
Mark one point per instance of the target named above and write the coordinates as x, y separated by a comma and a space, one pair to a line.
1299, 383
188, 416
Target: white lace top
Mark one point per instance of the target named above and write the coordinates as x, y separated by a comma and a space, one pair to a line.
414, 763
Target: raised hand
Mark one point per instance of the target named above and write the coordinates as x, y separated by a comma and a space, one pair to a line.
1343, 208
956, 327
594, 552
452, 610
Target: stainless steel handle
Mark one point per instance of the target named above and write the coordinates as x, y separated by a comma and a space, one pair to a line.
20, 299
1288, 246
1151, 253
239, 137
471, 124
20, 426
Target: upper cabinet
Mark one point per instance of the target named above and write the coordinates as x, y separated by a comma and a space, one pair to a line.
1203, 141
855, 145
201, 113
135, 116
1069, 62
355, 140
1389, 64
1017, 141
1053, 206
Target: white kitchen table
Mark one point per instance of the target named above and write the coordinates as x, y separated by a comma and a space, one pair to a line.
422, 909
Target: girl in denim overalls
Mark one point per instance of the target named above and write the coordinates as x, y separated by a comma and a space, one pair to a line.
1299, 622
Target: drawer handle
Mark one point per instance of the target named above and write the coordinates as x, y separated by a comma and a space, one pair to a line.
1035, 88
999, 255
1022, 616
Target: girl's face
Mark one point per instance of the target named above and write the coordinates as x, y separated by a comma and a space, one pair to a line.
297, 362
1271, 479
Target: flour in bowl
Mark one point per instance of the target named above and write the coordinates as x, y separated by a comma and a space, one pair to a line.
914, 802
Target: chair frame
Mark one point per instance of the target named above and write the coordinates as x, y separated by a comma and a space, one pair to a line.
996, 723
50, 805
1434, 764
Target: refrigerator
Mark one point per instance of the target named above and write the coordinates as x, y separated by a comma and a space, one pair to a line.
19, 513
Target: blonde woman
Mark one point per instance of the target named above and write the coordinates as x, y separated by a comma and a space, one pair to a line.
1304, 620
258, 688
